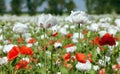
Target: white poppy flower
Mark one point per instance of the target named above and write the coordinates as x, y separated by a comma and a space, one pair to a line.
26, 35
39, 65
71, 49
84, 66
29, 45
78, 35
57, 44
20, 28
117, 22
102, 63
118, 60
72, 27
46, 21
1, 37
98, 50
43, 36
95, 67
3, 60
26, 59
77, 17
93, 27
63, 31
74, 40
105, 19
7, 48
102, 33
112, 30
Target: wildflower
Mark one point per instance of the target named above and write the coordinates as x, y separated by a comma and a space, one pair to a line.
70, 48
13, 53
116, 67
95, 67
7, 48
26, 50
20, 40
84, 66
3, 60
90, 57
57, 44
21, 64
107, 39
81, 57
69, 35
66, 57
46, 21
102, 71
32, 40
20, 28
77, 17
55, 34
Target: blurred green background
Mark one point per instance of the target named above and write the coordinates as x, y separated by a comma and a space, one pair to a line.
58, 7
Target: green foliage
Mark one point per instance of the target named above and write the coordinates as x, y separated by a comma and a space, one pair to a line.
60, 6
103, 6
32, 5
2, 6
16, 6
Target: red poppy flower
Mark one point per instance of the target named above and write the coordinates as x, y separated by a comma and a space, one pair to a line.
26, 50
102, 71
81, 57
20, 40
51, 42
13, 53
69, 35
90, 57
69, 45
116, 67
21, 64
107, 39
66, 57
95, 40
32, 40
33, 59
55, 34
84, 32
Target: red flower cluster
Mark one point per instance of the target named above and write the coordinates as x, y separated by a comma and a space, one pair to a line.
21, 64
14, 52
66, 57
107, 39
81, 57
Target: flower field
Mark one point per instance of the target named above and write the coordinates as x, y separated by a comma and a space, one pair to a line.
73, 44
